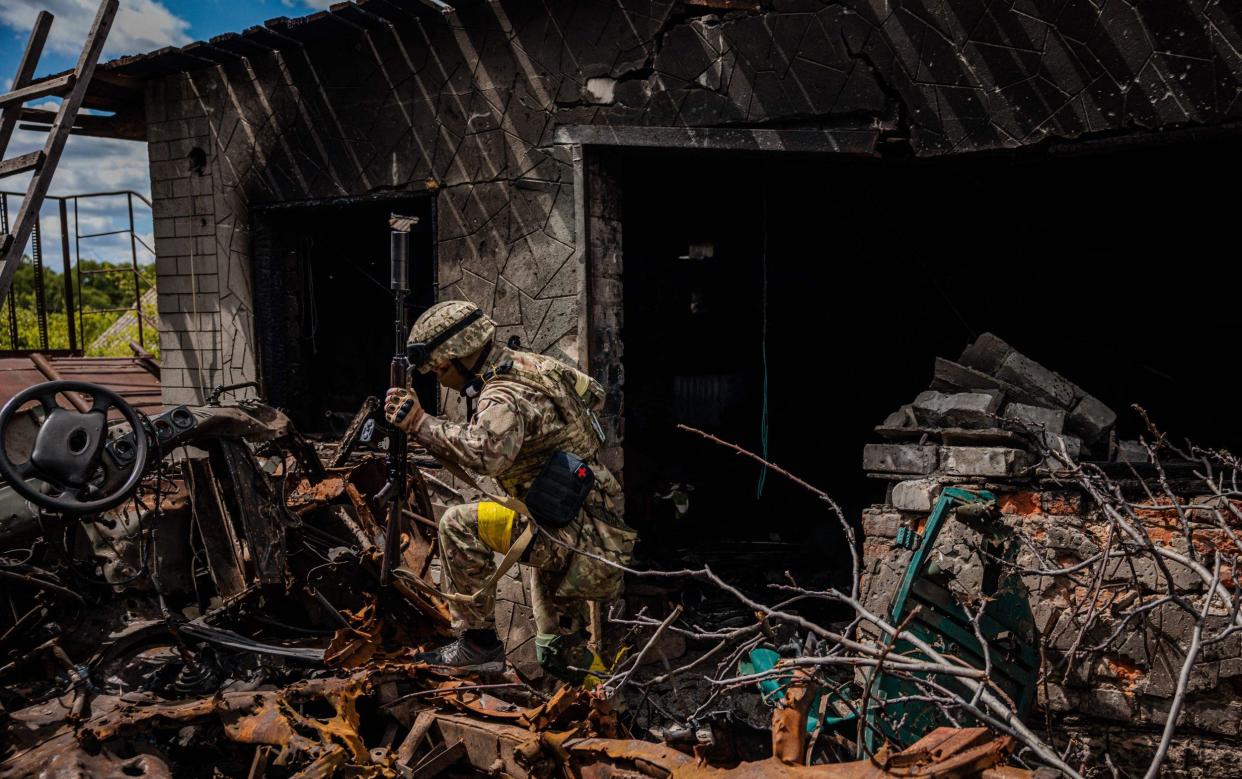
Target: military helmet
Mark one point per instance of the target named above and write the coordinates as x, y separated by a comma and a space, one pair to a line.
448, 330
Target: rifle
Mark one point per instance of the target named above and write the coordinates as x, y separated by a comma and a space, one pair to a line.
393, 493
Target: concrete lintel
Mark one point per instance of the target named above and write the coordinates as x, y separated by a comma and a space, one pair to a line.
861, 141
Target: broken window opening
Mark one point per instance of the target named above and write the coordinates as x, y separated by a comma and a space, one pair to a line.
323, 305
873, 266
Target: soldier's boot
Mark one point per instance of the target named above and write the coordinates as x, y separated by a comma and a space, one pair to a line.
471, 652
568, 658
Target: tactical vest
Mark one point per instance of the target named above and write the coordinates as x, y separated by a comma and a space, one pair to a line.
600, 529
572, 392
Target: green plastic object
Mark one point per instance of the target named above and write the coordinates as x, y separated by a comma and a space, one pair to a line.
1007, 625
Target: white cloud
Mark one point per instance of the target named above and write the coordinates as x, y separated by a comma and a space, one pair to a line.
91, 165
88, 164
140, 25
316, 4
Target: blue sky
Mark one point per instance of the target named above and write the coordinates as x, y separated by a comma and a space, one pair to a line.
94, 164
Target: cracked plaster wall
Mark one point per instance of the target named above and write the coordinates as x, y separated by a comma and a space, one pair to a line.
386, 97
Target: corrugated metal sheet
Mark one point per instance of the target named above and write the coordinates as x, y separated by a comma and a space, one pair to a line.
123, 375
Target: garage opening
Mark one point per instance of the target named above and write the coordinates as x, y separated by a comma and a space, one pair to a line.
324, 310
789, 304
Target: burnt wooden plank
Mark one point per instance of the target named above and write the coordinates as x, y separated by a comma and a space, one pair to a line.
25, 162
52, 86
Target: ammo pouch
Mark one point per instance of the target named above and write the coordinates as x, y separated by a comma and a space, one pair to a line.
557, 494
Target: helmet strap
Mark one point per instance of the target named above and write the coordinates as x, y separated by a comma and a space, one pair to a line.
474, 382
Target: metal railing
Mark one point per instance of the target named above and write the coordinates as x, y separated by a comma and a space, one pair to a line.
76, 313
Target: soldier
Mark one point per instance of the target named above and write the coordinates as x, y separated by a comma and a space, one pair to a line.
530, 410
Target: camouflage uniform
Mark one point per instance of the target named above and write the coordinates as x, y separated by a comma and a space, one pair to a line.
526, 410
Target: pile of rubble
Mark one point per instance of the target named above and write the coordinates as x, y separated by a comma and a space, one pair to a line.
1099, 611
975, 420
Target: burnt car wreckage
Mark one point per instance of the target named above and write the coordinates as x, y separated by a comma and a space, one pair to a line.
205, 591
225, 618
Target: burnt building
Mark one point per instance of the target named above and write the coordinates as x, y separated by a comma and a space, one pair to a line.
757, 218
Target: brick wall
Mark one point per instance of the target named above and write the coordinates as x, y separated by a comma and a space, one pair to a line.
185, 245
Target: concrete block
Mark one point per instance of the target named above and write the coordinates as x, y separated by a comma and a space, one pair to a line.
203, 301
1230, 667
1091, 419
902, 417
204, 245
954, 377
197, 265
1111, 704
166, 246
959, 409
171, 284
172, 358
177, 206
1021, 370
1067, 444
915, 495
982, 460
1130, 452
986, 353
900, 458
168, 169
165, 265
880, 522
157, 152
1049, 420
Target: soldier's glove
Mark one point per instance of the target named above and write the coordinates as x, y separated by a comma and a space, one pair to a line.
401, 408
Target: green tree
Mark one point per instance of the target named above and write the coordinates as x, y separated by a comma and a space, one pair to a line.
112, 289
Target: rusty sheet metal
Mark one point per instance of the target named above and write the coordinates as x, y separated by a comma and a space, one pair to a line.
291, 719
123, 375
253, 422
64, 758
945, 753
556, 710
306, 496
489, 745
479, 702
355, 646
789, 718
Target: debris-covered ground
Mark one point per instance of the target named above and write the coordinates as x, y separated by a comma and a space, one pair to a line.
1034, 597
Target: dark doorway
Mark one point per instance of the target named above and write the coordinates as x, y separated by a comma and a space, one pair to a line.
323, 307
833, 283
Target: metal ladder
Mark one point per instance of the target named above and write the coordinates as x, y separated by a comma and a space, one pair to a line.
71, 87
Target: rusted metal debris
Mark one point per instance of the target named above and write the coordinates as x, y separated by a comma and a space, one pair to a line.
228, 622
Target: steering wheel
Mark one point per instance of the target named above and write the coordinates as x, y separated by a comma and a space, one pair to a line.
69, 448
